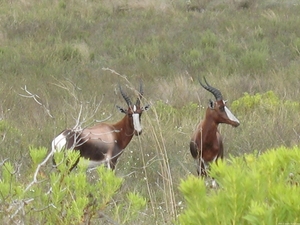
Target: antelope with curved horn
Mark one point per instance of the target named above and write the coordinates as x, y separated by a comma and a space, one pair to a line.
104, 143
206, 144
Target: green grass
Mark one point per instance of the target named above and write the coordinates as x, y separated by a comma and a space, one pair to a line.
58, 50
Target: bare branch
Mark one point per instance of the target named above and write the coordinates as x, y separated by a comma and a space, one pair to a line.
21, 203
64, 86
46, 207
114, 72
35, 180
3, 161
296, 133
30, 95
36, 98
137, 92
100, 121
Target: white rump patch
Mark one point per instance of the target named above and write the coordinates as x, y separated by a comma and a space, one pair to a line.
136, 122
230, 115
59, 143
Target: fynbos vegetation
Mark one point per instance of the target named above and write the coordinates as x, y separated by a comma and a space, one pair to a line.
61, 63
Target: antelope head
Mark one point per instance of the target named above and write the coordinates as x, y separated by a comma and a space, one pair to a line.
134, 111
218, 109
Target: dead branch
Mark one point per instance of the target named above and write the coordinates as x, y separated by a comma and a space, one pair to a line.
35, 180
36, 98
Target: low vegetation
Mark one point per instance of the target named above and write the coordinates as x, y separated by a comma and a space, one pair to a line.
62, 57
253, 189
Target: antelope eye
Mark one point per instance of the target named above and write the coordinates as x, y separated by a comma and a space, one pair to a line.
222, 108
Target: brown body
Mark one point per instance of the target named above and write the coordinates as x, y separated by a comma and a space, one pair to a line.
206, 144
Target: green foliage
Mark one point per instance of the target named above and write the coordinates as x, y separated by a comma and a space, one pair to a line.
164, 110
70, 53
267, 101
130, 209
209, 39
176, 116
248, 102
58, 49
37, 155
64, 197
9, 187
6, 128
252, 189
254, 61
193, 57
10, 139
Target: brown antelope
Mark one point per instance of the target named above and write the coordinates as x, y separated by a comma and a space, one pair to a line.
104, 143
206, 144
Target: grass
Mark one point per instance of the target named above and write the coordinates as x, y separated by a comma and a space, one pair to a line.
58, 51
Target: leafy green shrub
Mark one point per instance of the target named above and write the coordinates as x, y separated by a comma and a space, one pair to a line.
208, 38
252, 190
164, 110
267, 101
63, 197
254, 61
249, 102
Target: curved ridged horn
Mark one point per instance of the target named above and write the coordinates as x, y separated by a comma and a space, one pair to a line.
127, 99
212, 90
141, 92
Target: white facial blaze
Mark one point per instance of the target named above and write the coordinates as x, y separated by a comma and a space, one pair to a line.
136, 122
230, 115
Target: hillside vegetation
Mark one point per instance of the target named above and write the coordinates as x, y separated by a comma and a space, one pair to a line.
59, 58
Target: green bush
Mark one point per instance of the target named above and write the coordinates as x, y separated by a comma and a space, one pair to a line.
63, 197
252, 190
249, 102
254, 61
267, 101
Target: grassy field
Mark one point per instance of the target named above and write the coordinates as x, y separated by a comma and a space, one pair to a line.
57, 57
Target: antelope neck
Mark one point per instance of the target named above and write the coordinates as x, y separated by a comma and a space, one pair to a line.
210, 127
125, 131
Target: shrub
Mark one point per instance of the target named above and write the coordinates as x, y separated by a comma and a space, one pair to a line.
63, 197
267, 101
255, 61
248, 102
252, 190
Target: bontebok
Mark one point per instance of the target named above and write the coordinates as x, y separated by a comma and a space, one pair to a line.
206, 143
104, 143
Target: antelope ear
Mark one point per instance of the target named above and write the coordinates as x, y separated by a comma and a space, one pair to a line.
121, 109
211, 104
145, 108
